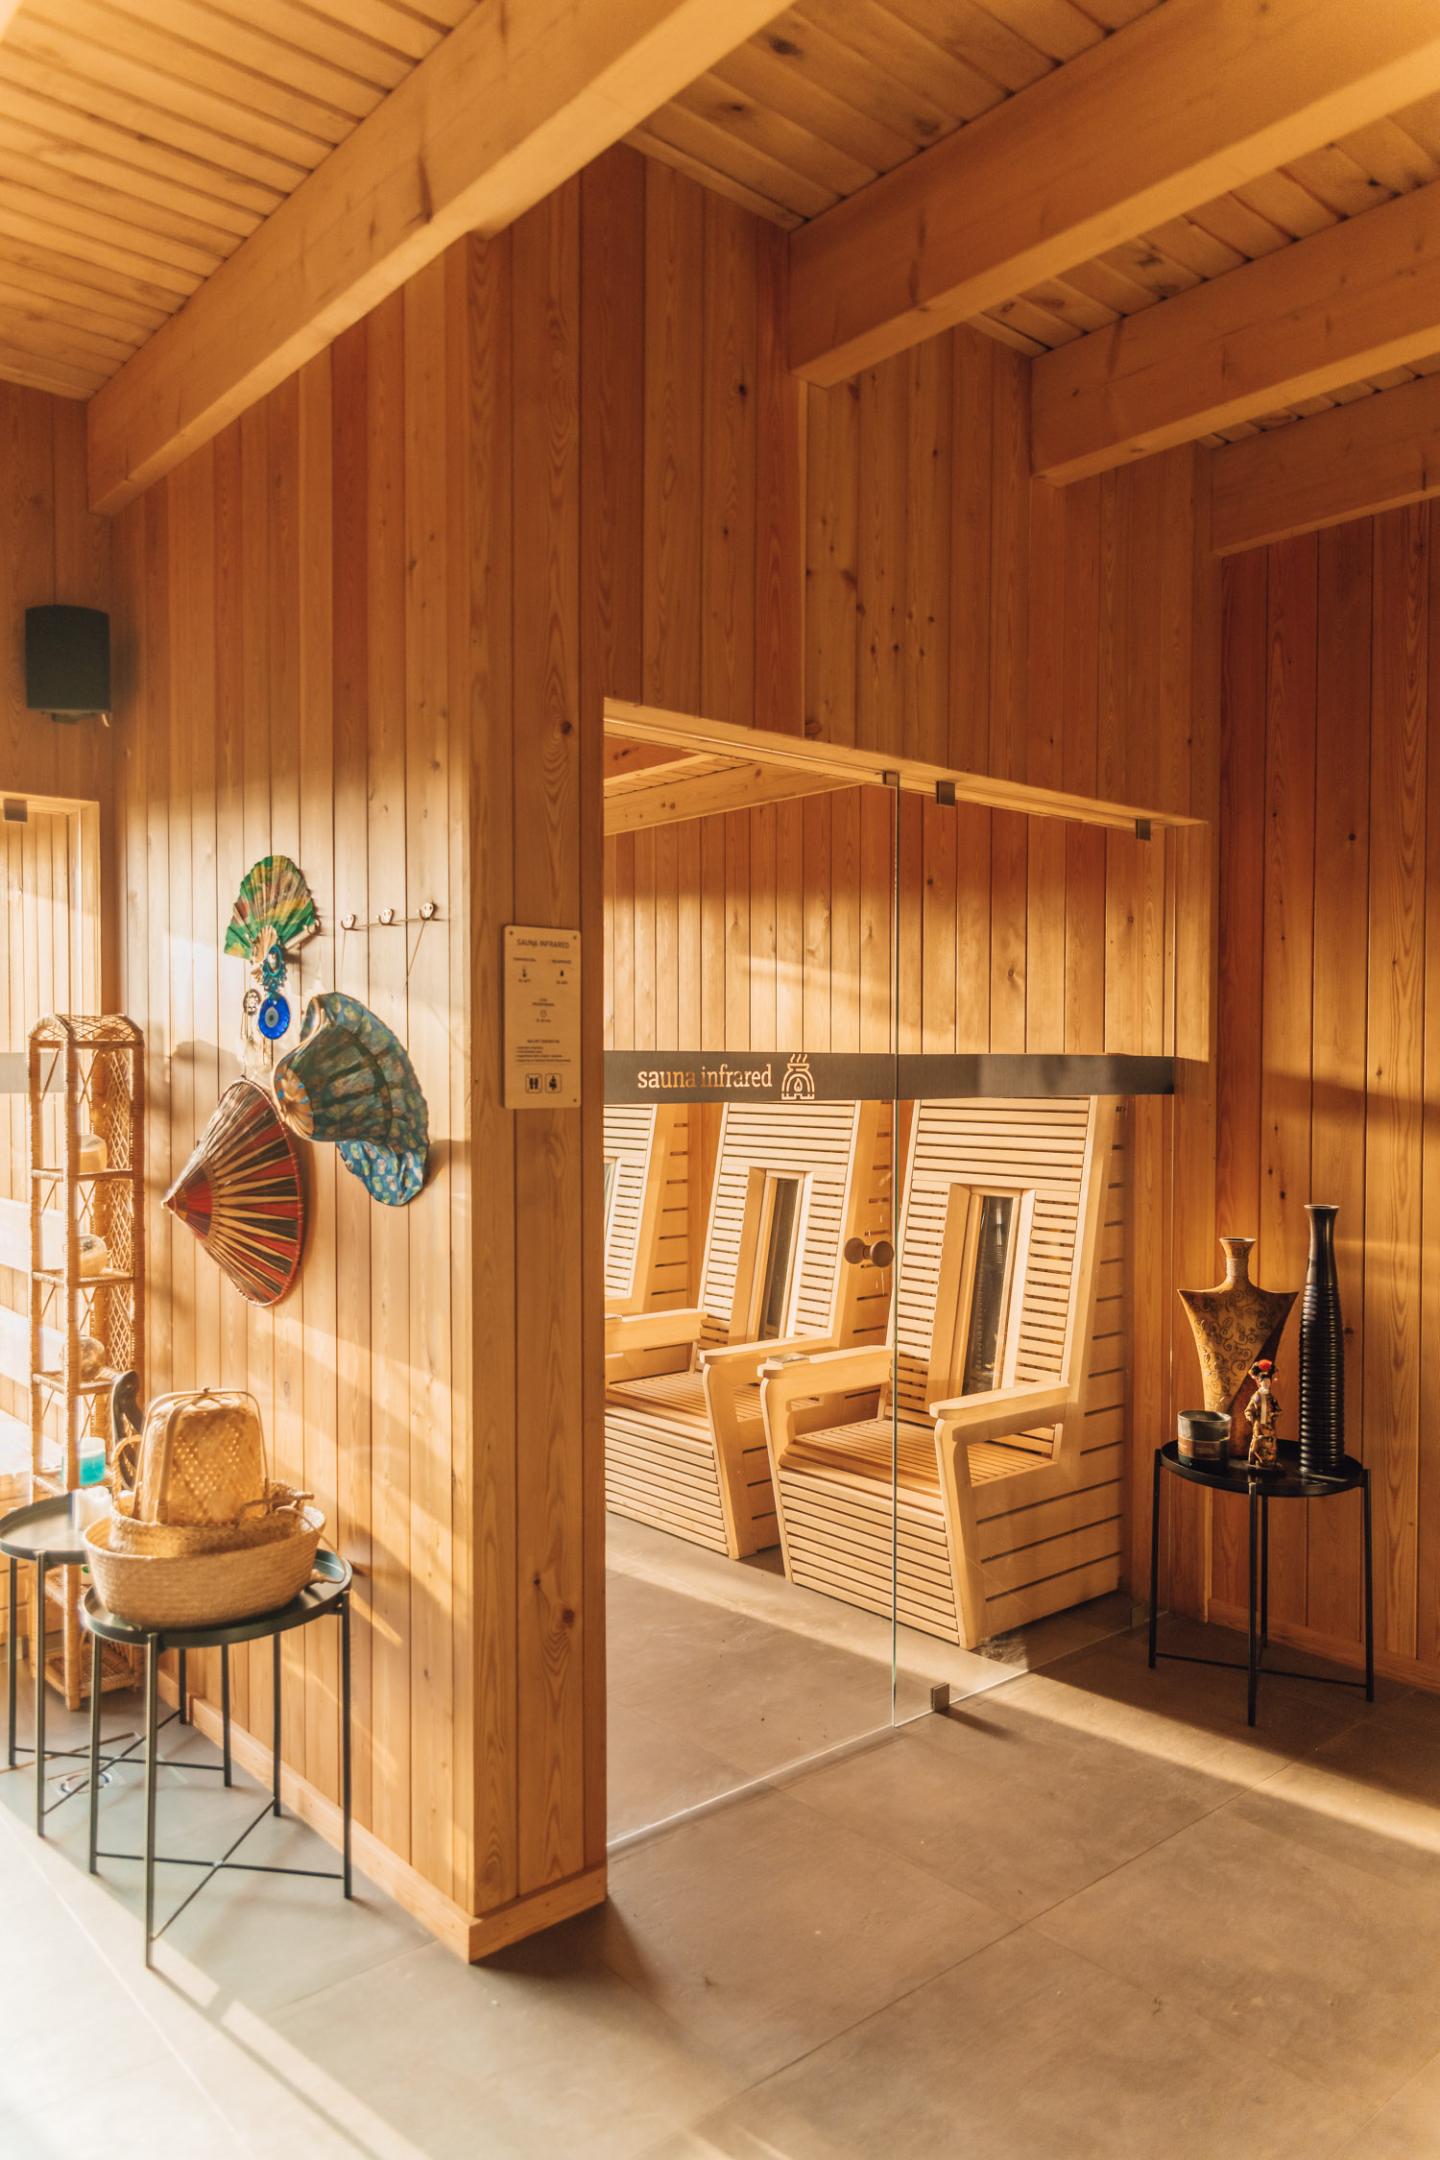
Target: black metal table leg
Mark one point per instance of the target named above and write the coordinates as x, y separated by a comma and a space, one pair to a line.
275, 1753
184, 1694
152, 1781
1369, 1595
1264, 1572
13, 1660
96, 1675
1254, 1660
345, 1738
37, 1644
1154, 1559
225, 1709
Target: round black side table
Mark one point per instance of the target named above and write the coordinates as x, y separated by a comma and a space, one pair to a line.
47, 1534
327, 1592
1261, 1487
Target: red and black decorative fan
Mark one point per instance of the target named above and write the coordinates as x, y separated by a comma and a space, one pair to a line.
240, 1194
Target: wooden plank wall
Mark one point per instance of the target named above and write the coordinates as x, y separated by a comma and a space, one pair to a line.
51, 548
40, 953
957, 611
1329, 1056
374, 624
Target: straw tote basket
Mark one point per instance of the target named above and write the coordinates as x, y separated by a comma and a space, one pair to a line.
202, 1537
203, 1589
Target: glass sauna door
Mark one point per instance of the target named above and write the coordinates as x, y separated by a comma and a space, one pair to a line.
754, 1150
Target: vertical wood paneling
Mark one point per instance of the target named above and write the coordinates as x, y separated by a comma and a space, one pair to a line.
376, 581
429, 1002
1287, 976
1242, 876
1395, 1058
1330, 867
482, 658
550, 1490
1337, 1061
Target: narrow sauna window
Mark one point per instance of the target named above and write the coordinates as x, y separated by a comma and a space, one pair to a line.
985, 1290
612, 1179
779, 1225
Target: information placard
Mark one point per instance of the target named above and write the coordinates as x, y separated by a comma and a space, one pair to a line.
542, 1018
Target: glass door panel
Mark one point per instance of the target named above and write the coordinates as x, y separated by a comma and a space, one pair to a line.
753, 1156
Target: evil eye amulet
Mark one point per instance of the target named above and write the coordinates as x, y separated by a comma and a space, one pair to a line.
273, 1017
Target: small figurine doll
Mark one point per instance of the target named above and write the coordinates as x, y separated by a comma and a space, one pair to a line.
1262, 1415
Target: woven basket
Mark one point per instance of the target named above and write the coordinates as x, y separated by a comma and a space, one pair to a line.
202, 1458
279, 1515
199, 1590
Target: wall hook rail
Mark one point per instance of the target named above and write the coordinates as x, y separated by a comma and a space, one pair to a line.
390, 918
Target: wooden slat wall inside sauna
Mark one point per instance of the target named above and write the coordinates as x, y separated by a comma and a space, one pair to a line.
956, 610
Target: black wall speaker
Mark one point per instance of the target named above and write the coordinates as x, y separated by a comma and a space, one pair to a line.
67, 661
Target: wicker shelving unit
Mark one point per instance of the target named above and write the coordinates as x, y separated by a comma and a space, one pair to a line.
87, 1075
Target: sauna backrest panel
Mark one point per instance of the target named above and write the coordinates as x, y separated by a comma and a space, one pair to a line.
813, 1140
991, 1144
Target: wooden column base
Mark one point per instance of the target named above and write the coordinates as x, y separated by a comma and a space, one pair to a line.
472, 1936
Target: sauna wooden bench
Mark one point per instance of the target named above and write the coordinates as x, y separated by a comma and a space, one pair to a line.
1261, 1487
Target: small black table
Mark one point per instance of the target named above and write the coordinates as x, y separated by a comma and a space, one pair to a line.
1261, 1487
48, 1534
328, 1591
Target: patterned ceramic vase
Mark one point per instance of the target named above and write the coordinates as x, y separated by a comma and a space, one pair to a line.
1322, 1354
1234, 1323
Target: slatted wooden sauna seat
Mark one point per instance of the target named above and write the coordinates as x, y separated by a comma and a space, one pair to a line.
685, 1445
1003, 1504
647, 1165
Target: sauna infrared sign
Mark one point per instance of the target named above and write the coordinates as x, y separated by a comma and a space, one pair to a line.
542, 1018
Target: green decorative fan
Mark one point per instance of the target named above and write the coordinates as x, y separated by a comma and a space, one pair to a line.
275, 910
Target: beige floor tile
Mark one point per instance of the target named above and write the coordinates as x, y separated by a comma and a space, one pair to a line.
656, 1769
1407, 2127
1008, 1806
151, 2110
746, 1692
1188, 1715
1026, 2052
763, 1929
1323, 1964
542, 2053
1368, 1798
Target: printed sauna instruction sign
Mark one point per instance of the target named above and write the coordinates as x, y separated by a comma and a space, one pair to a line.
542, 1019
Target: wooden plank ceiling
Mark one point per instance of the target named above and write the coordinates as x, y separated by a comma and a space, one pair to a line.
829, 96
141, 141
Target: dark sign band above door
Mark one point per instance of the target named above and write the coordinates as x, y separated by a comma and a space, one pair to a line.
638, 1076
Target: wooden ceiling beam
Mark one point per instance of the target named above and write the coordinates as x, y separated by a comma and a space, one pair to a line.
1197, 97
1352, 462
1327, 312
512, 103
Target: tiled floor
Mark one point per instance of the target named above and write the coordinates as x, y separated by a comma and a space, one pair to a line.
1087, 1914
721, 1674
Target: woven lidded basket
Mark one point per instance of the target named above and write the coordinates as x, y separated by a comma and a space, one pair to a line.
280, 1514
201, 1459
204, 1589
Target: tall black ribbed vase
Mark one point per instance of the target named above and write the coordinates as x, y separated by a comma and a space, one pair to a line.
1322, 1354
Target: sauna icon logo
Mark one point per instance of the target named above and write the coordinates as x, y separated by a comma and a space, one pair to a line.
798, 1084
